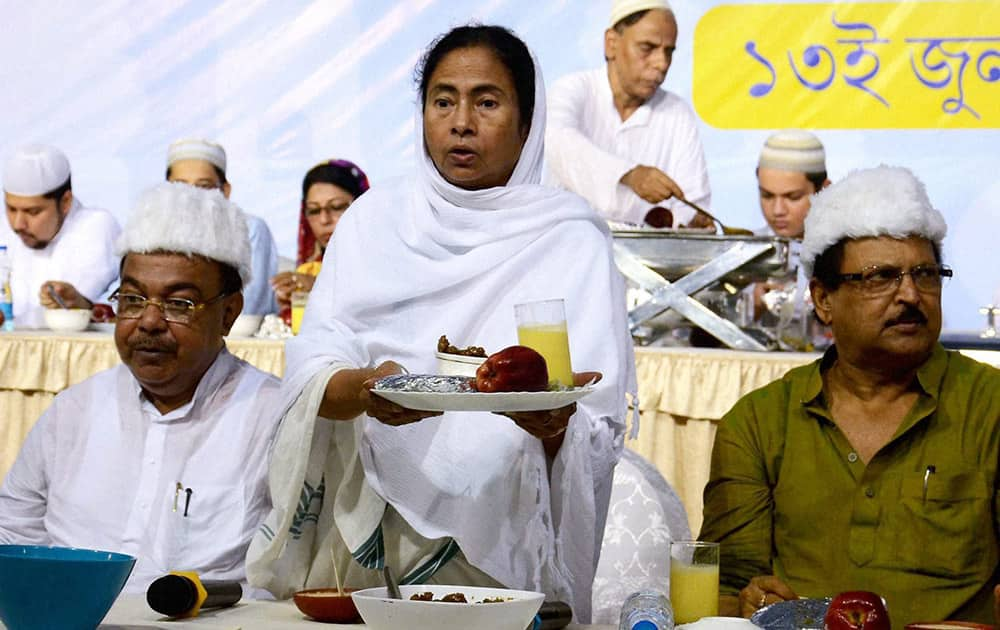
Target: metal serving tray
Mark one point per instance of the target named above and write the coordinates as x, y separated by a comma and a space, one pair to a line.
674, 254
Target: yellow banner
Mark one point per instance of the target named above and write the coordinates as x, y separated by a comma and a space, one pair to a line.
847, 65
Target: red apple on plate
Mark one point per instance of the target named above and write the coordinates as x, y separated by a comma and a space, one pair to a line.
857, 610
513, 369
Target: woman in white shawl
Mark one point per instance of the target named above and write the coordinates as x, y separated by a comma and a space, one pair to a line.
461, 498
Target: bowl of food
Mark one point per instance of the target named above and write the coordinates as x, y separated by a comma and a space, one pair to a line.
59, 587
245, 325
328, 605
438, 606
67, 319
454, 361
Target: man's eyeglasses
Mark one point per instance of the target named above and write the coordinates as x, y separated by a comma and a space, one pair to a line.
177, 310
879, 280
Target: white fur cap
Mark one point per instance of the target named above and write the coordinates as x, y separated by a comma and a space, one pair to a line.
35, 169
197, 149
883, 201
621, 9
176, 217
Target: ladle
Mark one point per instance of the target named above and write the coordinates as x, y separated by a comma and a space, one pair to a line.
728, 231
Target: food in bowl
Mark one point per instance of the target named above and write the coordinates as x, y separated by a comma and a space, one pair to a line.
444, 346
328, 605
59, 587
514, 611
67, 319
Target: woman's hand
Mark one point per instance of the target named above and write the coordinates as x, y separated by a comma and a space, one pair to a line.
66, 292
764, 590
384, 410
287, 282
549, 425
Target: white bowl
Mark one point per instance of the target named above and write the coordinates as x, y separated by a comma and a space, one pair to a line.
245, 325
458, 364
67, 319
514, 613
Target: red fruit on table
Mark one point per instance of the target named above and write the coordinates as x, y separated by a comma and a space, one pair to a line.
857, 610
102, 313
513, 369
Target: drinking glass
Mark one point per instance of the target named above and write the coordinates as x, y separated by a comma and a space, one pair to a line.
541, 326
299, 300
694, 580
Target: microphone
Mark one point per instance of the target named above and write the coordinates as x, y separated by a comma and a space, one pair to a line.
552, 616
183, 594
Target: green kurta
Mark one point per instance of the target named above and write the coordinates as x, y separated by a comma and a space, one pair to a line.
789, 496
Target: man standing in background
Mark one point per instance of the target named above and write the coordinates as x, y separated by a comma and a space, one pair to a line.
617, 138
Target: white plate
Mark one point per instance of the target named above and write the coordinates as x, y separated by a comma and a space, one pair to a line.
381, 613
475, 401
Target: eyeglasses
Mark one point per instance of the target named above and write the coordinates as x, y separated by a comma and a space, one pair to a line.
332, 208
879, 280
177, 310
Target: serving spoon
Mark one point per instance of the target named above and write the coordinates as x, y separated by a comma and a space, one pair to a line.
390, 583
728, 231
55, 296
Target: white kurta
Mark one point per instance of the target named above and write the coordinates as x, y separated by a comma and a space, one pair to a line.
100, 470
588, 148
82, 254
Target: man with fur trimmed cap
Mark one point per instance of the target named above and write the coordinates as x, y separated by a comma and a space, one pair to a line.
619, 140
876, 467
55, 243
165, 456
203, 164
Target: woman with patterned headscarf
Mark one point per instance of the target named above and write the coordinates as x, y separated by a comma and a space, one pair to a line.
327, 190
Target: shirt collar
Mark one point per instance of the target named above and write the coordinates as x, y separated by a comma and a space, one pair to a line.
220, 369
640, 117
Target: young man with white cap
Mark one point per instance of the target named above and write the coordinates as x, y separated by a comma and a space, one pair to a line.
163, 457
203, 164
54, 242
617, 138
791, 169
875, 467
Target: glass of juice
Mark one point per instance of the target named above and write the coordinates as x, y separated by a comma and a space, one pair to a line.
694, 580
299, 300
542, 327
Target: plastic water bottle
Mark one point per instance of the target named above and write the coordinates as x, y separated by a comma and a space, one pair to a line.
6, 303
646, 610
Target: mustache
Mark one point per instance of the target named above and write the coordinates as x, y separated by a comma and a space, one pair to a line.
145, 343
911, 315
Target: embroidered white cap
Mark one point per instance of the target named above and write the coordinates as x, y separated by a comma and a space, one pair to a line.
883, 201
197, 149
35, 169
621, 9
793, 150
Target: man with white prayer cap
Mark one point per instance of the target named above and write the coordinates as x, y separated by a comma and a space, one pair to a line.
203, 164
618, 139
791, 169
163, 457
55, 243
876, 467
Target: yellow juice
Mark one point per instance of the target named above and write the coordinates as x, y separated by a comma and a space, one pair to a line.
694, 590
552, 342
297, 312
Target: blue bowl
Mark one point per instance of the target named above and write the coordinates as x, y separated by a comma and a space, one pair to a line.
43, 588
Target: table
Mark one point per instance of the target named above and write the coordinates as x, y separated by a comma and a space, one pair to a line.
130, 612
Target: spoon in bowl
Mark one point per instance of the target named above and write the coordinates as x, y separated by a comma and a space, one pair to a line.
391, 587
55, 296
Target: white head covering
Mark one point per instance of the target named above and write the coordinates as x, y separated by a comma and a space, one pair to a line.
793, 150
176, 217
621, 9
35, 169
415, 258
197, 149
883, 201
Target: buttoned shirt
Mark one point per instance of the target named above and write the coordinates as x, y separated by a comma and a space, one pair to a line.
103, 469
788, 494
588, 147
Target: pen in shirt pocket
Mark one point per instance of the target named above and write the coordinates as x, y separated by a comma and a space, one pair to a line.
178, 488
931, 469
